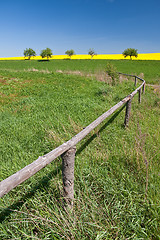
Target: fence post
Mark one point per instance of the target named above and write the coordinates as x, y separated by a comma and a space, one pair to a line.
68, 159
143, 89
128, 111
135, 81
139, 96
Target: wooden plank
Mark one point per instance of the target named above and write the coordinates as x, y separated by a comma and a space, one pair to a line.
140, 79
125, 74
134, 92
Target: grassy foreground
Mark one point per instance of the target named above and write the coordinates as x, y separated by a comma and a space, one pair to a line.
117, 178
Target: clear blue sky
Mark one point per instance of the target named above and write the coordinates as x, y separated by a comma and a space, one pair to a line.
107, 26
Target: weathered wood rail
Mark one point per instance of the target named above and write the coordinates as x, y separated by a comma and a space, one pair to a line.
67, 151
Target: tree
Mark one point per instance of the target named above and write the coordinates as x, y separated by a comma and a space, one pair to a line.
91, 52
130, 52
70, 53
29, 52
46, 53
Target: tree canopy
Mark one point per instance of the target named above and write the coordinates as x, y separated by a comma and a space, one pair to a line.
91, 52
46, 53
29, 52
70, 53
130, 52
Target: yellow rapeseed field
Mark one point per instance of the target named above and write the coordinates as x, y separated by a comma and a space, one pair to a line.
141, 56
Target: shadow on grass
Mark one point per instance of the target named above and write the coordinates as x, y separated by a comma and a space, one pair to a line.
45, 180
42, 184
101, 129
43, 60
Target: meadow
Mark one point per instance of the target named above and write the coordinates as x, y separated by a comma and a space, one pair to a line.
117, 178
150, 69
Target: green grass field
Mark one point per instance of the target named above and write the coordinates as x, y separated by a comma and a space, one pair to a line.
150, 69
117, 176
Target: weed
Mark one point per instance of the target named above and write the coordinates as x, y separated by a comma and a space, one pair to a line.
112, 72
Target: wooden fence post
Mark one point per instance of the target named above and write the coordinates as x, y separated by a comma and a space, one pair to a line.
128, 111
135, 81
139, 95
143, 89
68, 159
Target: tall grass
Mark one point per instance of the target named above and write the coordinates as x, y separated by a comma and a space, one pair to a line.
116, 170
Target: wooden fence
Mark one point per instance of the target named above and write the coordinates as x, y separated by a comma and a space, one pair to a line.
68, 150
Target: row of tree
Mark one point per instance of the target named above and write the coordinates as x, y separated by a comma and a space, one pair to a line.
29, 52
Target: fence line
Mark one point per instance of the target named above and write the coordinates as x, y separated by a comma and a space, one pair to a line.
67, 151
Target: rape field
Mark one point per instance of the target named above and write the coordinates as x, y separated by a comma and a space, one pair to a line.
141, 56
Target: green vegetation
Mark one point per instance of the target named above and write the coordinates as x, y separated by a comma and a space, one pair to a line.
46, 53
70, 53
112, 72
117, 176
132, 52
29, 52
91, 52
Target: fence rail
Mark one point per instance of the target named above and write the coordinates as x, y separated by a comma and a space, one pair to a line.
67, 151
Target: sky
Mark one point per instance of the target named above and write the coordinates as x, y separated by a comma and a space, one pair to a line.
107, 26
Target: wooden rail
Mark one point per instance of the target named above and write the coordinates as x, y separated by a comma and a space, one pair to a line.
67, 150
